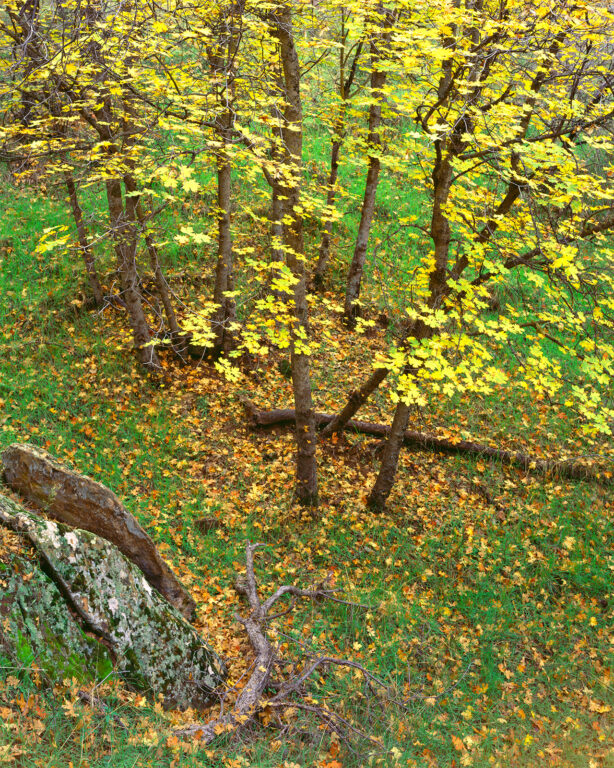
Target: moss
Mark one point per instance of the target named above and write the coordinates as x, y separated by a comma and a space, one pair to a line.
155, 648
41, 632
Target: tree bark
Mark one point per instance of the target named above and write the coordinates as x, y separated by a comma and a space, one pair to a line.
154, 260
324, 251
390, 460
125, 233
84, 245
355, 402
354, 278
277, 203
345, 87
292, 134
225, 312
574, 469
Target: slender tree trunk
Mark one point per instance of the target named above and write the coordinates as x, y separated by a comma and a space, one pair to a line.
277, 212
125, 233
154, 261
84, 244
225, 312
345, 88
354, 279
306, 467
440, 234
355, 401
390, 460
277, 203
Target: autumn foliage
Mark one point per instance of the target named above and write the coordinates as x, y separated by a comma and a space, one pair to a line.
398, 211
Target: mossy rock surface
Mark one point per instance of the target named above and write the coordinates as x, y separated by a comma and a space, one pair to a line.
108, 599
38, 631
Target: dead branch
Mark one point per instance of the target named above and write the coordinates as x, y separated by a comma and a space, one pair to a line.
574, 469
290, 693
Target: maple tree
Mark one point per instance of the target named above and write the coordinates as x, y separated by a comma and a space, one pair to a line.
511, 192
463, 100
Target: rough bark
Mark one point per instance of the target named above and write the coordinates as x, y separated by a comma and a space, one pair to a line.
125, 233
84, 244
152, 646
390, 460
575, 469
292, 134
82, 502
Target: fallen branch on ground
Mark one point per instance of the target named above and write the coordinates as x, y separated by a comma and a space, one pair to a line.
575, 469
264, 675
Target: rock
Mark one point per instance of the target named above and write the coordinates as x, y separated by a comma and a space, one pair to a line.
152, 646
38, 631
83, 503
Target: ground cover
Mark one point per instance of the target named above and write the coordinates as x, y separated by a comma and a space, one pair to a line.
493, 587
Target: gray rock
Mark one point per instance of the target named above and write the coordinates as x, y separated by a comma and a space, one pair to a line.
37, 631
76, 499
152, 646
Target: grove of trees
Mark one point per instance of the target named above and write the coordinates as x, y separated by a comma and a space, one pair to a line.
494, 117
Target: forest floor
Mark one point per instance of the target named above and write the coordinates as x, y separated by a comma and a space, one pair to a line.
492, 588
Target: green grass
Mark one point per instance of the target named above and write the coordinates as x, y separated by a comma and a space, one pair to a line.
494, 588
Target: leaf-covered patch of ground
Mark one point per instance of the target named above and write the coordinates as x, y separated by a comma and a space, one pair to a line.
492, 588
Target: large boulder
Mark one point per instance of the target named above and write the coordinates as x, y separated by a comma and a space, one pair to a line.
106, 600
83, 503
37, 631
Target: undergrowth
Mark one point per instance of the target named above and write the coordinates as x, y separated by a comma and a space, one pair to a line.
492, 588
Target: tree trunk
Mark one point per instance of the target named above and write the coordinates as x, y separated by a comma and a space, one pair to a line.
355, 401
345, 87
154, 260
390, 460
277, 203
292, 133
84, 245
225, 312
354, 279
324, 252
124, 230
440, 233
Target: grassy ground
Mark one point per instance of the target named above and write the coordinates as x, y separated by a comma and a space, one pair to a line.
493, 588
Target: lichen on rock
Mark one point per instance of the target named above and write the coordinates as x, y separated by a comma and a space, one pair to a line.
81, 502
37, 630
153, 647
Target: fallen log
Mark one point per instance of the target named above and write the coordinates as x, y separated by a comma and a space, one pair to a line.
574, 469
79, 501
